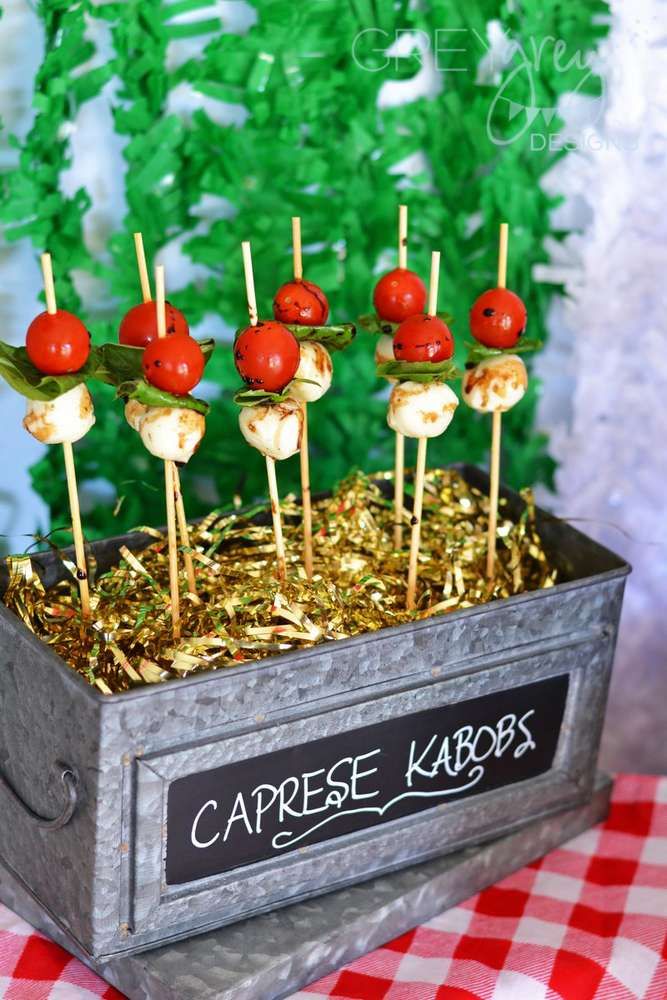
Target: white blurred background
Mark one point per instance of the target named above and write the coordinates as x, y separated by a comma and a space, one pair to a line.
604, 369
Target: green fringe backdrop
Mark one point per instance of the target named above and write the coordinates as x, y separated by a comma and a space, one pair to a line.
314, 144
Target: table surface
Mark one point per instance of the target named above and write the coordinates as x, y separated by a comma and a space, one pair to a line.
587, 921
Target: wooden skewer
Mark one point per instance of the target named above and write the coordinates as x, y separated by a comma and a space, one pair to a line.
184, 532
249, 282
434, 283
181, 516
420, 471
143, 268
70, 470
275, 515
169, 480
296, 248
49, 284
416, 522
399, 490
403, 236
503, 244
169, 494
496, 429
270, 462
306, 505
399, 453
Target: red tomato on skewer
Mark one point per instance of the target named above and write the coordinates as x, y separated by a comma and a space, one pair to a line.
399, 294
301, 302
498, 318
138, 326
267, 356
423, 338
173, 364
57, 343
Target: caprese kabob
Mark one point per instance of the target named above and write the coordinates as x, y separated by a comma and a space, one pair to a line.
266, 355
303, 308
496, 378
160, 407
139, 328
51, 371
421, 404
398, 295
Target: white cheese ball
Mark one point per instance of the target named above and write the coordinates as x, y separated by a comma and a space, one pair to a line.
384, 351
135, 413
417, 410
496, 384
172, 433
273, 428
66, 418
315, 364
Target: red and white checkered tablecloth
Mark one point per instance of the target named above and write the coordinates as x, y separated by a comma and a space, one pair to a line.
587, 921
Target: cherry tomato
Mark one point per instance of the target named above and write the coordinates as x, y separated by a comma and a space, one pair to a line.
174, 364
301, 302
267, 356
139, 325
57, 343
399, 294
498, 318
423, 338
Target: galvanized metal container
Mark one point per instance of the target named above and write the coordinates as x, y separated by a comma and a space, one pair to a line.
108, 802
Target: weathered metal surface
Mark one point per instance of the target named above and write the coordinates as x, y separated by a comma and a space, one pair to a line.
271, 956
101, 875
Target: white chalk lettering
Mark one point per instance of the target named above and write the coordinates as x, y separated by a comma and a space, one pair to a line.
484, 731
415, 766
262, 805
285, 806
506, 732
339, 789
309, 793
239, 811
196, 842
357, 775
529, 742
438, 766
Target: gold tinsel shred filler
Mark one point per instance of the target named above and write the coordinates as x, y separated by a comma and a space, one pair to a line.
245, 614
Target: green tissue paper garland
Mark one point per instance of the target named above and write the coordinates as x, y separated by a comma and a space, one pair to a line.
313, 144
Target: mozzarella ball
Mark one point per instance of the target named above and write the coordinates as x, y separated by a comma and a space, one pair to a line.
172, 433
135, 413
273, 428
66, 418
384, 351
496, 384
314, 364
417, 410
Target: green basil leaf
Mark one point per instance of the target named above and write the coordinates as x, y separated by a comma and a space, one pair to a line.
258, 397
119, 363
150, 395
372, 323
19, 372
479, 352
334, 338
419, 371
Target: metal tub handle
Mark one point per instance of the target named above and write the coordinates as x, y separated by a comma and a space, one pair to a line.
69, 780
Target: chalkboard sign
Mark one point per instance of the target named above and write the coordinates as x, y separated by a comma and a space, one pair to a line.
279, 802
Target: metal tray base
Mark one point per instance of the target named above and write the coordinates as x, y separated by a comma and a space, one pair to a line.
271, 956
